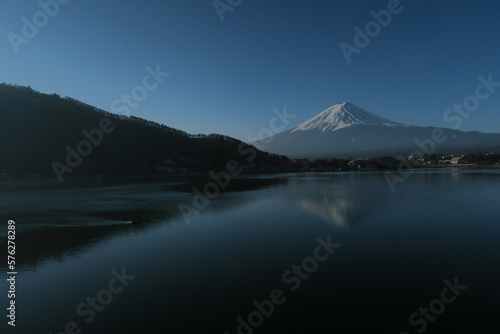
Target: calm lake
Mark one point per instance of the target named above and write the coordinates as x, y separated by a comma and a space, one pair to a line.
294, 253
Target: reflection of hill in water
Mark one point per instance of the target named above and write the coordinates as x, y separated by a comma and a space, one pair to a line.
235, 184
54, 223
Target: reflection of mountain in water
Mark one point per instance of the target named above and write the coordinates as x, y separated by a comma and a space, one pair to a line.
341, 200
337, 211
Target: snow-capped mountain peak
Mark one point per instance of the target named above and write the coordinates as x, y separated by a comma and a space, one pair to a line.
340, 116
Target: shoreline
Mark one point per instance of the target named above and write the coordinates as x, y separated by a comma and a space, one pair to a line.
91, 181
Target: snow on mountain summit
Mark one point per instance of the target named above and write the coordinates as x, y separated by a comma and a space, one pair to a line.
341, 116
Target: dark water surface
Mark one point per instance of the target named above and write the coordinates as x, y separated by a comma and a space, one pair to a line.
393, 253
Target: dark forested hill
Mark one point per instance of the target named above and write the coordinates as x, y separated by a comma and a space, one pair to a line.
44, 135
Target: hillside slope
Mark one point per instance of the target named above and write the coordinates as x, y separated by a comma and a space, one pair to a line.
37, 129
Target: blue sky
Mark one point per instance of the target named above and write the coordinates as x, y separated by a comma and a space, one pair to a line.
227, 77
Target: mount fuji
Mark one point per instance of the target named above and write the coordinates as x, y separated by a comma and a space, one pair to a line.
340, 116
347, 130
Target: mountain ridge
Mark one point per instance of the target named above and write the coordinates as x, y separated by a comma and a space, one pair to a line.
37, 130
345, 130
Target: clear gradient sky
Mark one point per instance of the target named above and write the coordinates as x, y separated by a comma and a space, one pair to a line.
226, 77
